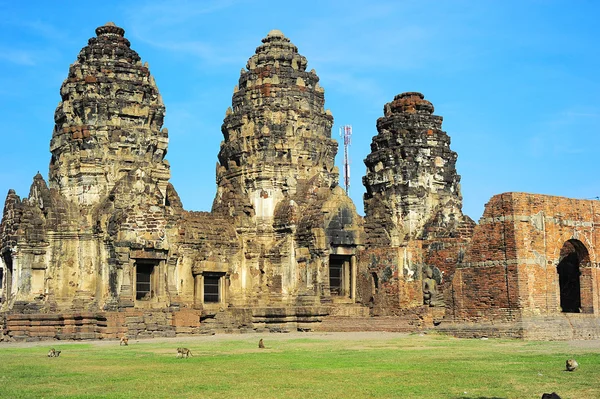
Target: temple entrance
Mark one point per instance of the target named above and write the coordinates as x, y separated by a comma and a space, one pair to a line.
145, 279
6, 279
340, 275
572, 255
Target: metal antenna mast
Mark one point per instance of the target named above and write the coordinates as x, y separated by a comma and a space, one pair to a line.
346, 134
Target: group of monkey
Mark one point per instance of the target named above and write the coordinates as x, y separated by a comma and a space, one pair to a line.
181, 352
185, 352
571, 364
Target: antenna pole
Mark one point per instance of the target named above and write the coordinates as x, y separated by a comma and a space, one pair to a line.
346, 134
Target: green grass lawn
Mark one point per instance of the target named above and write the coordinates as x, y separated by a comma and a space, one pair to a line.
302, 366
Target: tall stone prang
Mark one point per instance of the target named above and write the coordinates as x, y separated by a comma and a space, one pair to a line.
413, 190
108, 122
277, 133
76, 243
276, 177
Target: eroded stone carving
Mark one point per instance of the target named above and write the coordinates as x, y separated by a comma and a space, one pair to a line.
413, 190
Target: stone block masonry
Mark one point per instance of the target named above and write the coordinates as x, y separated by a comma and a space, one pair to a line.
104, 247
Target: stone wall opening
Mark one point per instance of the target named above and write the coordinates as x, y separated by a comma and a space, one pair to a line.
7, 277
573, 255
210, 288
145, 279
340, 275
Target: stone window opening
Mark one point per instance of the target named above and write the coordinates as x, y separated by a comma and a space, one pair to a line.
573, 292
211, 288
375, 282
1, 282
144, 280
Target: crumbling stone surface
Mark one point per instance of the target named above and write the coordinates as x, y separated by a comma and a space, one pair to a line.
511, 269
413, 189
277, 132
412, 203
108, 122
277, 179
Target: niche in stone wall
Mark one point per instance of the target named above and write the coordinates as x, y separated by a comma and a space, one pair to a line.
573, 256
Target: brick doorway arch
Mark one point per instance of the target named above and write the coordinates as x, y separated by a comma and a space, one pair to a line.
573, 255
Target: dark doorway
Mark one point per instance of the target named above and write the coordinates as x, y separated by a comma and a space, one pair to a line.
212, 287
8, 273
143, 281
339, 275
375, 281
572, 254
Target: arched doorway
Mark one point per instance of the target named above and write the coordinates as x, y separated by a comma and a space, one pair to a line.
573, 255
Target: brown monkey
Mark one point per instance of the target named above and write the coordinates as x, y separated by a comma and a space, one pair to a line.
184, 352
572, 365
124, 341
53, 353
261, 344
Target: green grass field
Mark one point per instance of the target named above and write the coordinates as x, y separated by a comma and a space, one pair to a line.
302, 366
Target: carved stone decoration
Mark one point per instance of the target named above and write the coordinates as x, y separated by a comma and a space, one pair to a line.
277, 133
431, 294
413, 189
108, 122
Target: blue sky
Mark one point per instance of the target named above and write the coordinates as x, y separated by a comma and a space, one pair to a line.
517, 82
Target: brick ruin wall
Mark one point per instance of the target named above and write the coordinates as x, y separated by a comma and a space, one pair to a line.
510, 269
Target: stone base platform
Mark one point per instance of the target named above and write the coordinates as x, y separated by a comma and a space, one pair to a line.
560, 327
99, 325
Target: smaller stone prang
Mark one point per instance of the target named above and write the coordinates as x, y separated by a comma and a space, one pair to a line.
412, 185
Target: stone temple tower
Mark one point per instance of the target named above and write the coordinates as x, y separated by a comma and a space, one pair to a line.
413, 190
276, 177
81, 241
277, 134
108, 122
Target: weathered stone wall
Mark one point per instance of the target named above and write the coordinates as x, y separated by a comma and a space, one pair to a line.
108, 122
412, 209
510, 269
277, 132
411, 181
277, 180
101, 325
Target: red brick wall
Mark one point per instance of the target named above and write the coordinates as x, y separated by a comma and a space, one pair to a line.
510, 266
